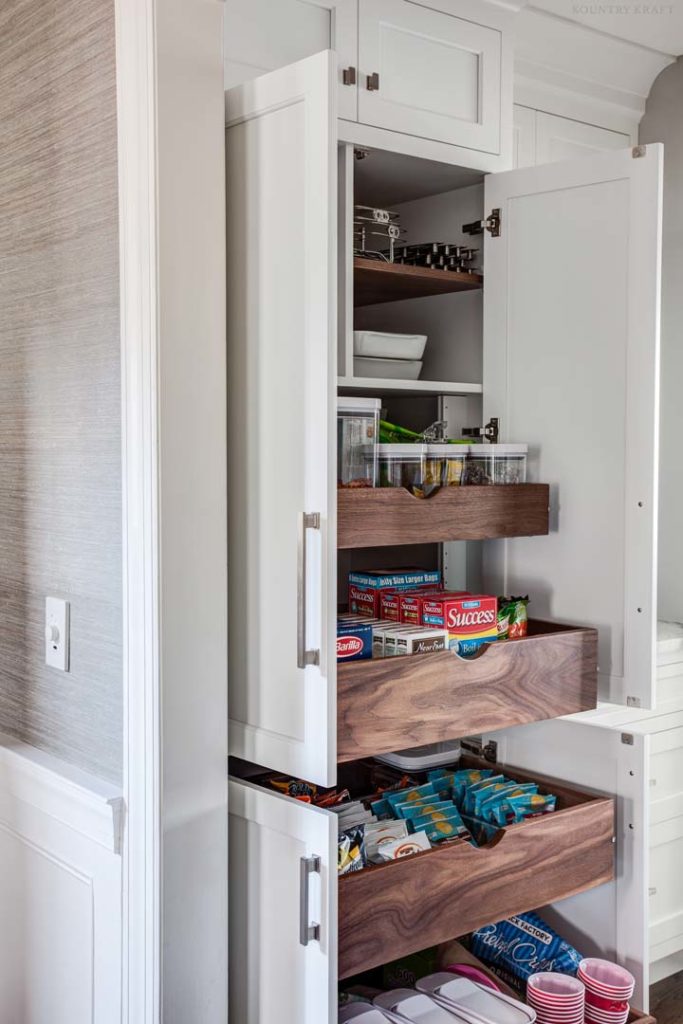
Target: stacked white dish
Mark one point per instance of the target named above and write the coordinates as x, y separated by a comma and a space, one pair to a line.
391, 356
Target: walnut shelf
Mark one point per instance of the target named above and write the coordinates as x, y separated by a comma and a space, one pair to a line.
394, 909
380, 516
386, 704
375, 281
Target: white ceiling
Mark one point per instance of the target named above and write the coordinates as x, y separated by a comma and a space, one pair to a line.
657, 24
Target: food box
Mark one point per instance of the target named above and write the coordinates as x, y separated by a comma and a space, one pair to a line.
410, 604
423, 640
354, 641
366, 588
471, 620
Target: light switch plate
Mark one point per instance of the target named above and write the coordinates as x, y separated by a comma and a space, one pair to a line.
57, 633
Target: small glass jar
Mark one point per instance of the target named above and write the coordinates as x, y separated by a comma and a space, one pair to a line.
411, 466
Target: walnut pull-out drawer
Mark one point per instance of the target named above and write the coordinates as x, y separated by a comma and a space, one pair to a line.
395, 703
394, 909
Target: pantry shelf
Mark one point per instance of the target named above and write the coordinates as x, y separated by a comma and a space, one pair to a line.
387, 385
375, 281
391, 910
381, 516
386, 704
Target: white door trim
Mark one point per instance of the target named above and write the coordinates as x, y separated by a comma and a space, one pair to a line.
137, 156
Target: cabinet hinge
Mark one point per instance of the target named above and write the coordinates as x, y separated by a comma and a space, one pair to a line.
475, 745
491, 224
489, 432
638, 151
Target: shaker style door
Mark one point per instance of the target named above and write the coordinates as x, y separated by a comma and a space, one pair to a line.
429, 74
571, 366
281, 256
283, 909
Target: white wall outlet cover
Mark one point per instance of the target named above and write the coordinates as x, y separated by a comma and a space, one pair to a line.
57, 633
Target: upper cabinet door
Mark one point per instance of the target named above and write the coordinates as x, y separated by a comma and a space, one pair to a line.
283, 883
281, 244
571, 365
429, 74
560, 138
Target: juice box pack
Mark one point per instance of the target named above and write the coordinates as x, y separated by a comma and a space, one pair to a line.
366, 588
471, 620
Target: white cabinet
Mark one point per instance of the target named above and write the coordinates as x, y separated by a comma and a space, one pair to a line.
570, 364
571, 338
541, 138
428, 73
281, 248
283, 909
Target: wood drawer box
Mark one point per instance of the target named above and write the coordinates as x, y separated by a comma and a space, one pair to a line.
388, 704
394, 909
378, 516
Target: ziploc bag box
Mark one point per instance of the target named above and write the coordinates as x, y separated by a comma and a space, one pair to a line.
471, 621
366, 588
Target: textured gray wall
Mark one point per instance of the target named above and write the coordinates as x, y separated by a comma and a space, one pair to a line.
663, 122
60, 461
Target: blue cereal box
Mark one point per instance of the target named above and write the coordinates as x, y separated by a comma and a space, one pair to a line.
354, 640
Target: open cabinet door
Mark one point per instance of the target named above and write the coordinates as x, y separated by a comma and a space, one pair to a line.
571, 365
281, 261
283, 909
612, 920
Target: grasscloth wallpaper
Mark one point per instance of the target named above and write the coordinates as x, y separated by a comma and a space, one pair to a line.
60, 445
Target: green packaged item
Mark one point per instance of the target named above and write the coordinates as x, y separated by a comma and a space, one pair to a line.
446, 831
481, 831
390, 433
528, 805
382, 808
513, 619
453, 783
424, 820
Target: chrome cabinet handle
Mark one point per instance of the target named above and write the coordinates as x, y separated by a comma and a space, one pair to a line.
308, 521
349, 76
372, 82
307, 931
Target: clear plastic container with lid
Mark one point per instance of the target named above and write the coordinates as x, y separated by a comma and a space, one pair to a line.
357, 433
452, 457
412, 466
496, 464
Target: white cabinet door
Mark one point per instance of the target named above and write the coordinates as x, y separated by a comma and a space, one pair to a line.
612, 920
281, 247
523, 136
560, 138
571, 366
283, 882
437, 76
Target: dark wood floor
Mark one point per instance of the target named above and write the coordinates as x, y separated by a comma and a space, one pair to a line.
666, 1000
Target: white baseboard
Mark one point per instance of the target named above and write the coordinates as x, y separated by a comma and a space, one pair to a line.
60, 892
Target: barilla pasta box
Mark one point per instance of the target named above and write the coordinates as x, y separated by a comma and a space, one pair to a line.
354, 641
470, 620
410, 603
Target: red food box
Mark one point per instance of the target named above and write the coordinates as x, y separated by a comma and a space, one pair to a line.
410, 603
390, 605
471, 620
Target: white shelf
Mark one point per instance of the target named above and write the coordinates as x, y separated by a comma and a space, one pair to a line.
382, 385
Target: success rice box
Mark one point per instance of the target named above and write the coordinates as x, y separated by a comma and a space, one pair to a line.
471, 620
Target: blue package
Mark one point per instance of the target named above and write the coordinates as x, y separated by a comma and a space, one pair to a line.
524, 945
382, 579
354, 641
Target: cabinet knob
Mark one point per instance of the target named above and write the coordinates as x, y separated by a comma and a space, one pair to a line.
349, 76
372, 82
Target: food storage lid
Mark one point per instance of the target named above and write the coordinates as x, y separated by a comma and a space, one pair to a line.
350, 404
488, 450
450, 451
402, 451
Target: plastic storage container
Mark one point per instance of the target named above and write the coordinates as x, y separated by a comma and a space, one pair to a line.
412, 466
496, 464
452, 457
387, 369
357, 433
419, 759
383, 345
